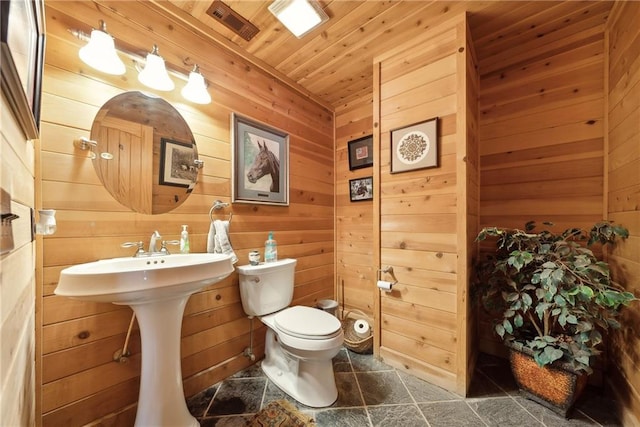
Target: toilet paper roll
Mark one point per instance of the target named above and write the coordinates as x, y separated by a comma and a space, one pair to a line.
385, 286
361, 328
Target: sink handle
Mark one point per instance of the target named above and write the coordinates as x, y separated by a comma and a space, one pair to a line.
139, 245
163, 248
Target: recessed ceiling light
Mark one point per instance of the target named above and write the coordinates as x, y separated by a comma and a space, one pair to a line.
299, 16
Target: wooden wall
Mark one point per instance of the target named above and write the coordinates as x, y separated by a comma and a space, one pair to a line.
79, 381
17, 275
355, 270
422, 214
542, 125
540, 133
623, 193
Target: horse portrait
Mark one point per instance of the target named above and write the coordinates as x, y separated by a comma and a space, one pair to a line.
265, 163
260, 163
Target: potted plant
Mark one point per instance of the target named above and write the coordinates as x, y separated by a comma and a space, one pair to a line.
551, 299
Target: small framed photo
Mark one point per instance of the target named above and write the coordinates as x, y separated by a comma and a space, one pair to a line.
415, 146
260, 163
361, 152
177, 163
361, 189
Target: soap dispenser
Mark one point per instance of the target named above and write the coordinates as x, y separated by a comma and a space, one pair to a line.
184, 240
270, 249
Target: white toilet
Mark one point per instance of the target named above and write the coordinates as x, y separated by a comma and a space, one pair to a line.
300, 342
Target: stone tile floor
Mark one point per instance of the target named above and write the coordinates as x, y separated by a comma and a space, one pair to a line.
371, 393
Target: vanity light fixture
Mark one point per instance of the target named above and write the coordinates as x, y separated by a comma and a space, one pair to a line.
196, 90
154, 74
299, 16
100, 52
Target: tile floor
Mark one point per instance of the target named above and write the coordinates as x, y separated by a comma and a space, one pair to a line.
371, 393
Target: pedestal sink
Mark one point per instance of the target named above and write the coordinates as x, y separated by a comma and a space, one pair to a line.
157, 289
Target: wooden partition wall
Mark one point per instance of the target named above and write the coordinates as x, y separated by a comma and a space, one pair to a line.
78, 381
426, 219
623, 194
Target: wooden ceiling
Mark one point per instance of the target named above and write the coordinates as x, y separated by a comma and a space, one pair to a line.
333, 63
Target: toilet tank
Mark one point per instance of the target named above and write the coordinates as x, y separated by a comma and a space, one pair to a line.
267, 287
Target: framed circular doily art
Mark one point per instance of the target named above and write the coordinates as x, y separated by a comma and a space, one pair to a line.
415, 146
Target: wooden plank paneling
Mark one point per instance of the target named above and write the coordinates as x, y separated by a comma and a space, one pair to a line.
423, 214
541, 128
17, 266
541, 143
354, 254
623, 194
91, 225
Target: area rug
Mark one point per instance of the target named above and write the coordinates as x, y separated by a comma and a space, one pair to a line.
280, 413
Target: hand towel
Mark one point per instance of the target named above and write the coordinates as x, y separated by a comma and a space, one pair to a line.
211, 243
222, 244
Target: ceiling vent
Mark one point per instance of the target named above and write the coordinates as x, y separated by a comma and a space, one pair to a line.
232, 20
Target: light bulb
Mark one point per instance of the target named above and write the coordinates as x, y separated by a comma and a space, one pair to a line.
100, 53
196, 90
154, 74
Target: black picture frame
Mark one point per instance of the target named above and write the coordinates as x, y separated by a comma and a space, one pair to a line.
177, 164
254, 142
360, 152
415, 146
361, 189
22, 45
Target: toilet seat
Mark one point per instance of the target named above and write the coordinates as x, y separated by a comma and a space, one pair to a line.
305, 341
307, 323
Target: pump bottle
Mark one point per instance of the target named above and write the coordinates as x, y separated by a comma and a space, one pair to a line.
270, 249
184, 240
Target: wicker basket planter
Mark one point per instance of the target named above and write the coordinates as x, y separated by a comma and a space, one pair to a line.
555, 386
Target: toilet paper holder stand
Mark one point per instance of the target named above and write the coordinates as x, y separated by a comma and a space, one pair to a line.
387, 270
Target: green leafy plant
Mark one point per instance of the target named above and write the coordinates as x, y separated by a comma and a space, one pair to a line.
549, 292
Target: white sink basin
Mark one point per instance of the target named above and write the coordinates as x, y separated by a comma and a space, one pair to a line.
140, 280
157, 289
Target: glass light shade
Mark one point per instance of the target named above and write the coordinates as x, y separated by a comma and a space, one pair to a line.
299, 16
154, 74
196, 90
100, 53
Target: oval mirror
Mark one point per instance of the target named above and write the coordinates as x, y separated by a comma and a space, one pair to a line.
146, 156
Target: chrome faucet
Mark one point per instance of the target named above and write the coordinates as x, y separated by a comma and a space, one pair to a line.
155, 237
157, 246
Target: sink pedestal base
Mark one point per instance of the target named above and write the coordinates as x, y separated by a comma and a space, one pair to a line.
161, 401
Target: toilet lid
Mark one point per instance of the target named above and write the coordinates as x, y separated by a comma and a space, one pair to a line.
307, 322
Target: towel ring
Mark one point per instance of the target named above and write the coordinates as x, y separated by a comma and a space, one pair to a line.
217, 205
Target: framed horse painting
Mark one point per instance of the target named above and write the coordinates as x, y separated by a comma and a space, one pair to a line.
260, 163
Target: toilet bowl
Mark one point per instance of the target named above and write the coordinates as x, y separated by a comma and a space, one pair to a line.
299, 361
301, 341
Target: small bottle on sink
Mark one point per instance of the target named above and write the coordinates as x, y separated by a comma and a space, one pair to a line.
184, 240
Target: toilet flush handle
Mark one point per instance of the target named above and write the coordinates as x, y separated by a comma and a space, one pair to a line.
255, 279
